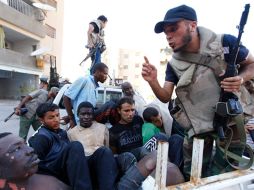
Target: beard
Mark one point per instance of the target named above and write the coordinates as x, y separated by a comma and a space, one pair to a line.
185, 41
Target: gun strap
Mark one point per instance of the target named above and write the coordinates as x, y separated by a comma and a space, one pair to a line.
244, 163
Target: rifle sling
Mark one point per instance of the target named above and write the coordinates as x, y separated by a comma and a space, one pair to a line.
244, 163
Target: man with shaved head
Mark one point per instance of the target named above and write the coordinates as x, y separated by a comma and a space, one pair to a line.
18, 165
138, 99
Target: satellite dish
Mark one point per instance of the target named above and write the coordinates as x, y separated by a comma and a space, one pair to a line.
40, 51
44, 6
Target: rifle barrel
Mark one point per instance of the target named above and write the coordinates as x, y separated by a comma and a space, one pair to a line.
7, 118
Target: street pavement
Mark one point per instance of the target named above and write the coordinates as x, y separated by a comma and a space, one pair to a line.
12, 125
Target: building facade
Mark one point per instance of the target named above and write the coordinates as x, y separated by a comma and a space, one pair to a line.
130, 68
31, 40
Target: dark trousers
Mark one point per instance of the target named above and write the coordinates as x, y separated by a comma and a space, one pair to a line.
103, 169
175, 150
70, 167
96, 58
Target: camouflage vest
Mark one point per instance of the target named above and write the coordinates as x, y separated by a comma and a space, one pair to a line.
97, 37
198, 88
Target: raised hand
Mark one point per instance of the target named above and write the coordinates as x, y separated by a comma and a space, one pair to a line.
149, 71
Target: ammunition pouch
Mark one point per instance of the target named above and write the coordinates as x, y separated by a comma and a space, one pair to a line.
230, 108
180, 116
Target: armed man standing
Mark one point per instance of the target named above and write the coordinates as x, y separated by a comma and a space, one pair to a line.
201, 57
96, 43
31, 102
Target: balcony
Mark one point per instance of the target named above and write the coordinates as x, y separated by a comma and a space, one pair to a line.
24, 16
14, 61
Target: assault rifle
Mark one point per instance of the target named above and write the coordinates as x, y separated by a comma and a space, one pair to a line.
23, 111
228, 105
92, 52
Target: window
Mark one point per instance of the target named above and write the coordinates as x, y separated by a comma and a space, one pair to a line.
125, 67
137, 65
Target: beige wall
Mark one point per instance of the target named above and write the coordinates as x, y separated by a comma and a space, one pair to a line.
55, 20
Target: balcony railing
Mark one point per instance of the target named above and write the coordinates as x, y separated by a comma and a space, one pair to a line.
18, 60
27, 9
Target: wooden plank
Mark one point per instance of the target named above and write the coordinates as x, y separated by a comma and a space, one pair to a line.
218, 181
197, 159
161, 166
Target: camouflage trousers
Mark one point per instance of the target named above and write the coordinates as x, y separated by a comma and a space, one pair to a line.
214, 161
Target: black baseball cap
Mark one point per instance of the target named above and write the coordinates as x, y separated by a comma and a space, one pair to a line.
174, 15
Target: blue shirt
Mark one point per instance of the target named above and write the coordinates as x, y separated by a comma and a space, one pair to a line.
228, 43
83, 89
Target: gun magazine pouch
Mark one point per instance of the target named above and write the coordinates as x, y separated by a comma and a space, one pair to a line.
180, 116
230, 108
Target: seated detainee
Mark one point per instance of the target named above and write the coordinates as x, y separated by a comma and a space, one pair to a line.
18, 166
94, 136
140, 102
153, 128
153, 123
58, 156
126, 137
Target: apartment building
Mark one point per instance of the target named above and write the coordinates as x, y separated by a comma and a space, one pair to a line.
32, 41
130, 67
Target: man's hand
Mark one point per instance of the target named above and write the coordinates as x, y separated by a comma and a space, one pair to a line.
65, 120
72, 124
249, 126
232, 84
149, 71
17, 111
